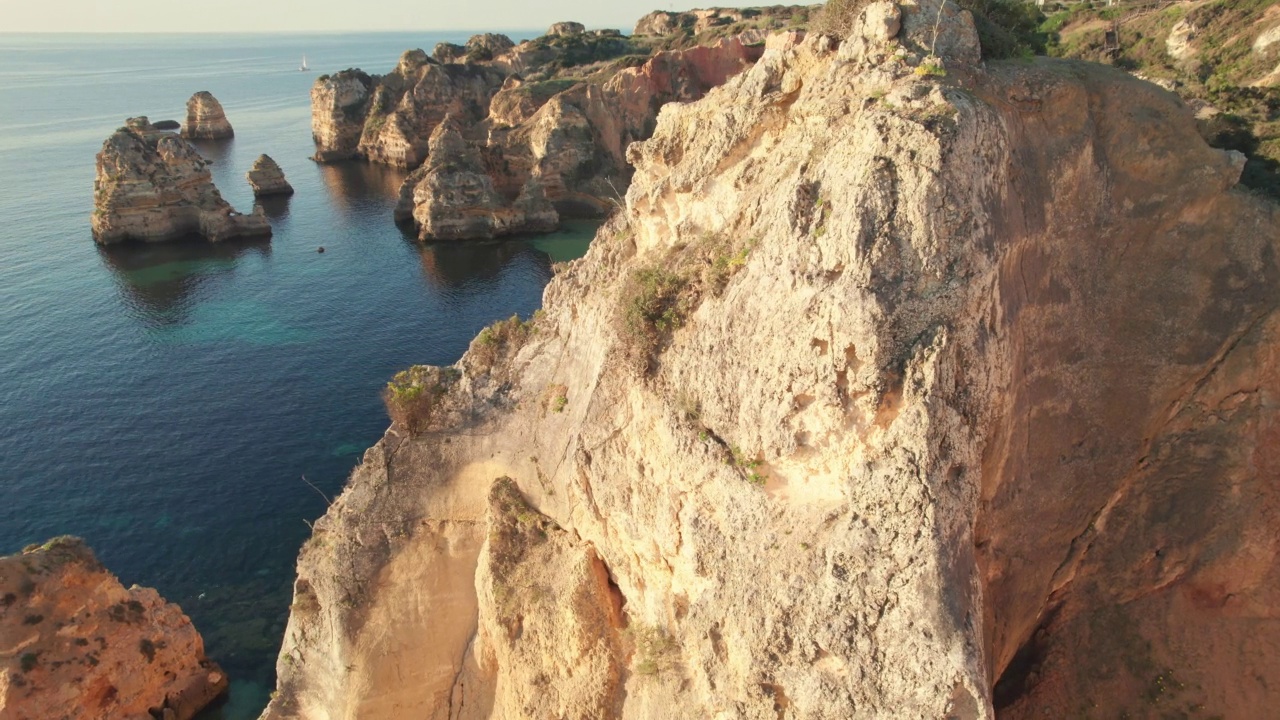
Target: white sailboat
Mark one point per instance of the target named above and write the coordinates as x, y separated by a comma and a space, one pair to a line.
303, 67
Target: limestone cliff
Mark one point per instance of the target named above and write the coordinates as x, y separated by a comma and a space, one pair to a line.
206, 119
903, 386
74, 643
153, 186
547, 118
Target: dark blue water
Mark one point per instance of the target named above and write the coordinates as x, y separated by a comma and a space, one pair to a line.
165, 402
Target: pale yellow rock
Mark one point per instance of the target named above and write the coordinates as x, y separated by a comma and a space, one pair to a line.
206, 119
889, 395
153, 186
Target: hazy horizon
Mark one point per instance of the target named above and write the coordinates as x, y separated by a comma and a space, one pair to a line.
322, 16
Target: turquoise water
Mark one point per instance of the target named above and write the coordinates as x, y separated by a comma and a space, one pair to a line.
165, 402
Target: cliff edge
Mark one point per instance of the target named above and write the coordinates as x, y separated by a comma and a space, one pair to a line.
904, 386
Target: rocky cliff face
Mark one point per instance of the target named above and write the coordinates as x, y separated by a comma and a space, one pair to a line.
266, 178
529, 132
206, 119
903, 387
76, 644
153, 186
567, 145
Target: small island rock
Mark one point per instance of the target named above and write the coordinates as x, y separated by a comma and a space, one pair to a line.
170, 125
78, 644
206, 119
267, 178
153, 186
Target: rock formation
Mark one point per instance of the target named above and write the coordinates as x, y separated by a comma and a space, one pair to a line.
562, 29
153, 186
76, 644
537, 136
266, 178
902, 388
205, 119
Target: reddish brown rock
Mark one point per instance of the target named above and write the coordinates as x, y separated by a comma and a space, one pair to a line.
74, 643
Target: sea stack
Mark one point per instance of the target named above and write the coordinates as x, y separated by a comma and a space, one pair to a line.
153, 186
267, 178
206, 119
78, 644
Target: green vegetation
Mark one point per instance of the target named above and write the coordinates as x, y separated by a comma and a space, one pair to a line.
500, 340
657, 300
748, 465
556, 397
413, 396
655, 650
28, 662
1006, 28
1221, 69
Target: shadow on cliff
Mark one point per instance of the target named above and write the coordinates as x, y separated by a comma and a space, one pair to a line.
158, 280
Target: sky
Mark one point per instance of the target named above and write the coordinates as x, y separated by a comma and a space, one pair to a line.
321, 15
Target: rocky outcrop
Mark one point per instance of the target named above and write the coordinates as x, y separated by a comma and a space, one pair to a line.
547, 143
452, 197
562, 29
206, 119
891, 394
75, 643
390, 119
486, 46
266, 178
173, 125
153, 186
535, 135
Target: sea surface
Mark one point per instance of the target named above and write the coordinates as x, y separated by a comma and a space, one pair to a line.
166, 402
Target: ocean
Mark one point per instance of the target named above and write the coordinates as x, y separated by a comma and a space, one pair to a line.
166, 402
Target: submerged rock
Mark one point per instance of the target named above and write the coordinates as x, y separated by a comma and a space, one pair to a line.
74, 643
266, 178
892, 392
153, 186
206, 119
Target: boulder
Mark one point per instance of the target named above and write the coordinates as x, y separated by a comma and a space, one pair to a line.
267, 178
153, 186
74, 643
566, 28
206, 119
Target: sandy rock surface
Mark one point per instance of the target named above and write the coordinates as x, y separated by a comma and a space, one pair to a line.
74, 643
892, 393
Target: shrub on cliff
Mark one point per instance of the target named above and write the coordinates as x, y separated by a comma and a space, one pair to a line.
413, 396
